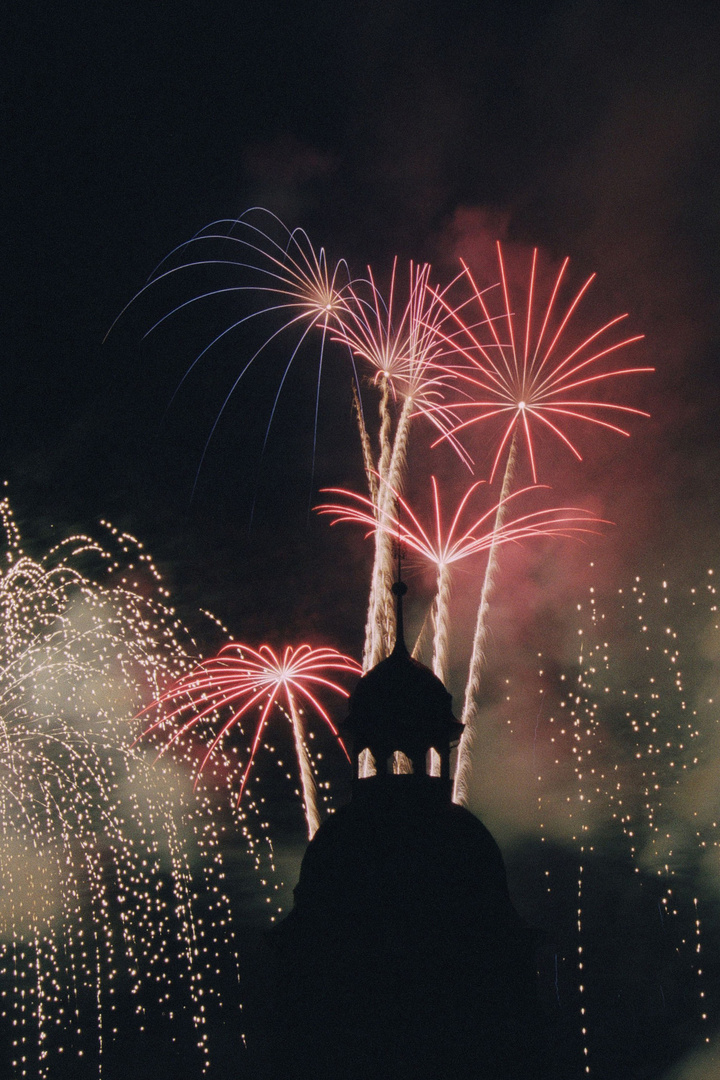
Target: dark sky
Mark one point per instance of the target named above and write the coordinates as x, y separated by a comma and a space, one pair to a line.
586, 127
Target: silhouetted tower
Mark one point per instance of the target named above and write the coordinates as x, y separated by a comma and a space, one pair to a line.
400, 719
403, 956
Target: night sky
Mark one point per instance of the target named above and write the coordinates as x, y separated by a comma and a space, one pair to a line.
424, 130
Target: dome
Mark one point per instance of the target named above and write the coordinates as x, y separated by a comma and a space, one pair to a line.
403, 955
401, 710
401, 691
405, 850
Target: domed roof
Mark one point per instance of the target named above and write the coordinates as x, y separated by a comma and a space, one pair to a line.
403, 954
409, 847
401, 693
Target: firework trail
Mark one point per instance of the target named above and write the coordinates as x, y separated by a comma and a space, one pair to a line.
242, 679
631, 754
451, 545
471, 712
295, 283
99, 876
404, 351
523, 374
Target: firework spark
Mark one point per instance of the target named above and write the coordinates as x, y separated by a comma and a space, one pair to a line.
295, 283
628, 751
523, 373
242, 678
404, 350
452, 544
99, 909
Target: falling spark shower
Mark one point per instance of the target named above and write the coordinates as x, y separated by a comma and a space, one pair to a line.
107, 864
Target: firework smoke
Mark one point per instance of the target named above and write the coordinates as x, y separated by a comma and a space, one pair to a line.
242, 679
99, 874
454, 544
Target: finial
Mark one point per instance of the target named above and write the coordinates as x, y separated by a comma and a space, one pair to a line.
399, 589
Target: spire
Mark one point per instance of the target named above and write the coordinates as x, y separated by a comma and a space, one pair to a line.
400, 648
400, 707
399, 589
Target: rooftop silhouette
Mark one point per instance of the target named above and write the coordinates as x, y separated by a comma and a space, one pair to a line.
403, 955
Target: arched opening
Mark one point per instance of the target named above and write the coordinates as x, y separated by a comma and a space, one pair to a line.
399, 764
367, 766
433, 762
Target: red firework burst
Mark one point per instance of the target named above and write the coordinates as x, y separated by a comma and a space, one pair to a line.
523, 374
402, 348
450, 545
240, 678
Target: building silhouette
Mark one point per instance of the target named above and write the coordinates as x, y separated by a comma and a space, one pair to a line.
403, 956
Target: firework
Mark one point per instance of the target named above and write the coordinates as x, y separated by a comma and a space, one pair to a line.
401, 342
629, 752
241, 680
99, 912
404, 351
523, 374
454, 544
294, 282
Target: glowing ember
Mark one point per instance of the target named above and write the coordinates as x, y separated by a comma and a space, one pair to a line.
522, 374
240, 679
454, 544
102, 858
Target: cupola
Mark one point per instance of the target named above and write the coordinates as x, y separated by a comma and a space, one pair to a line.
400, 717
